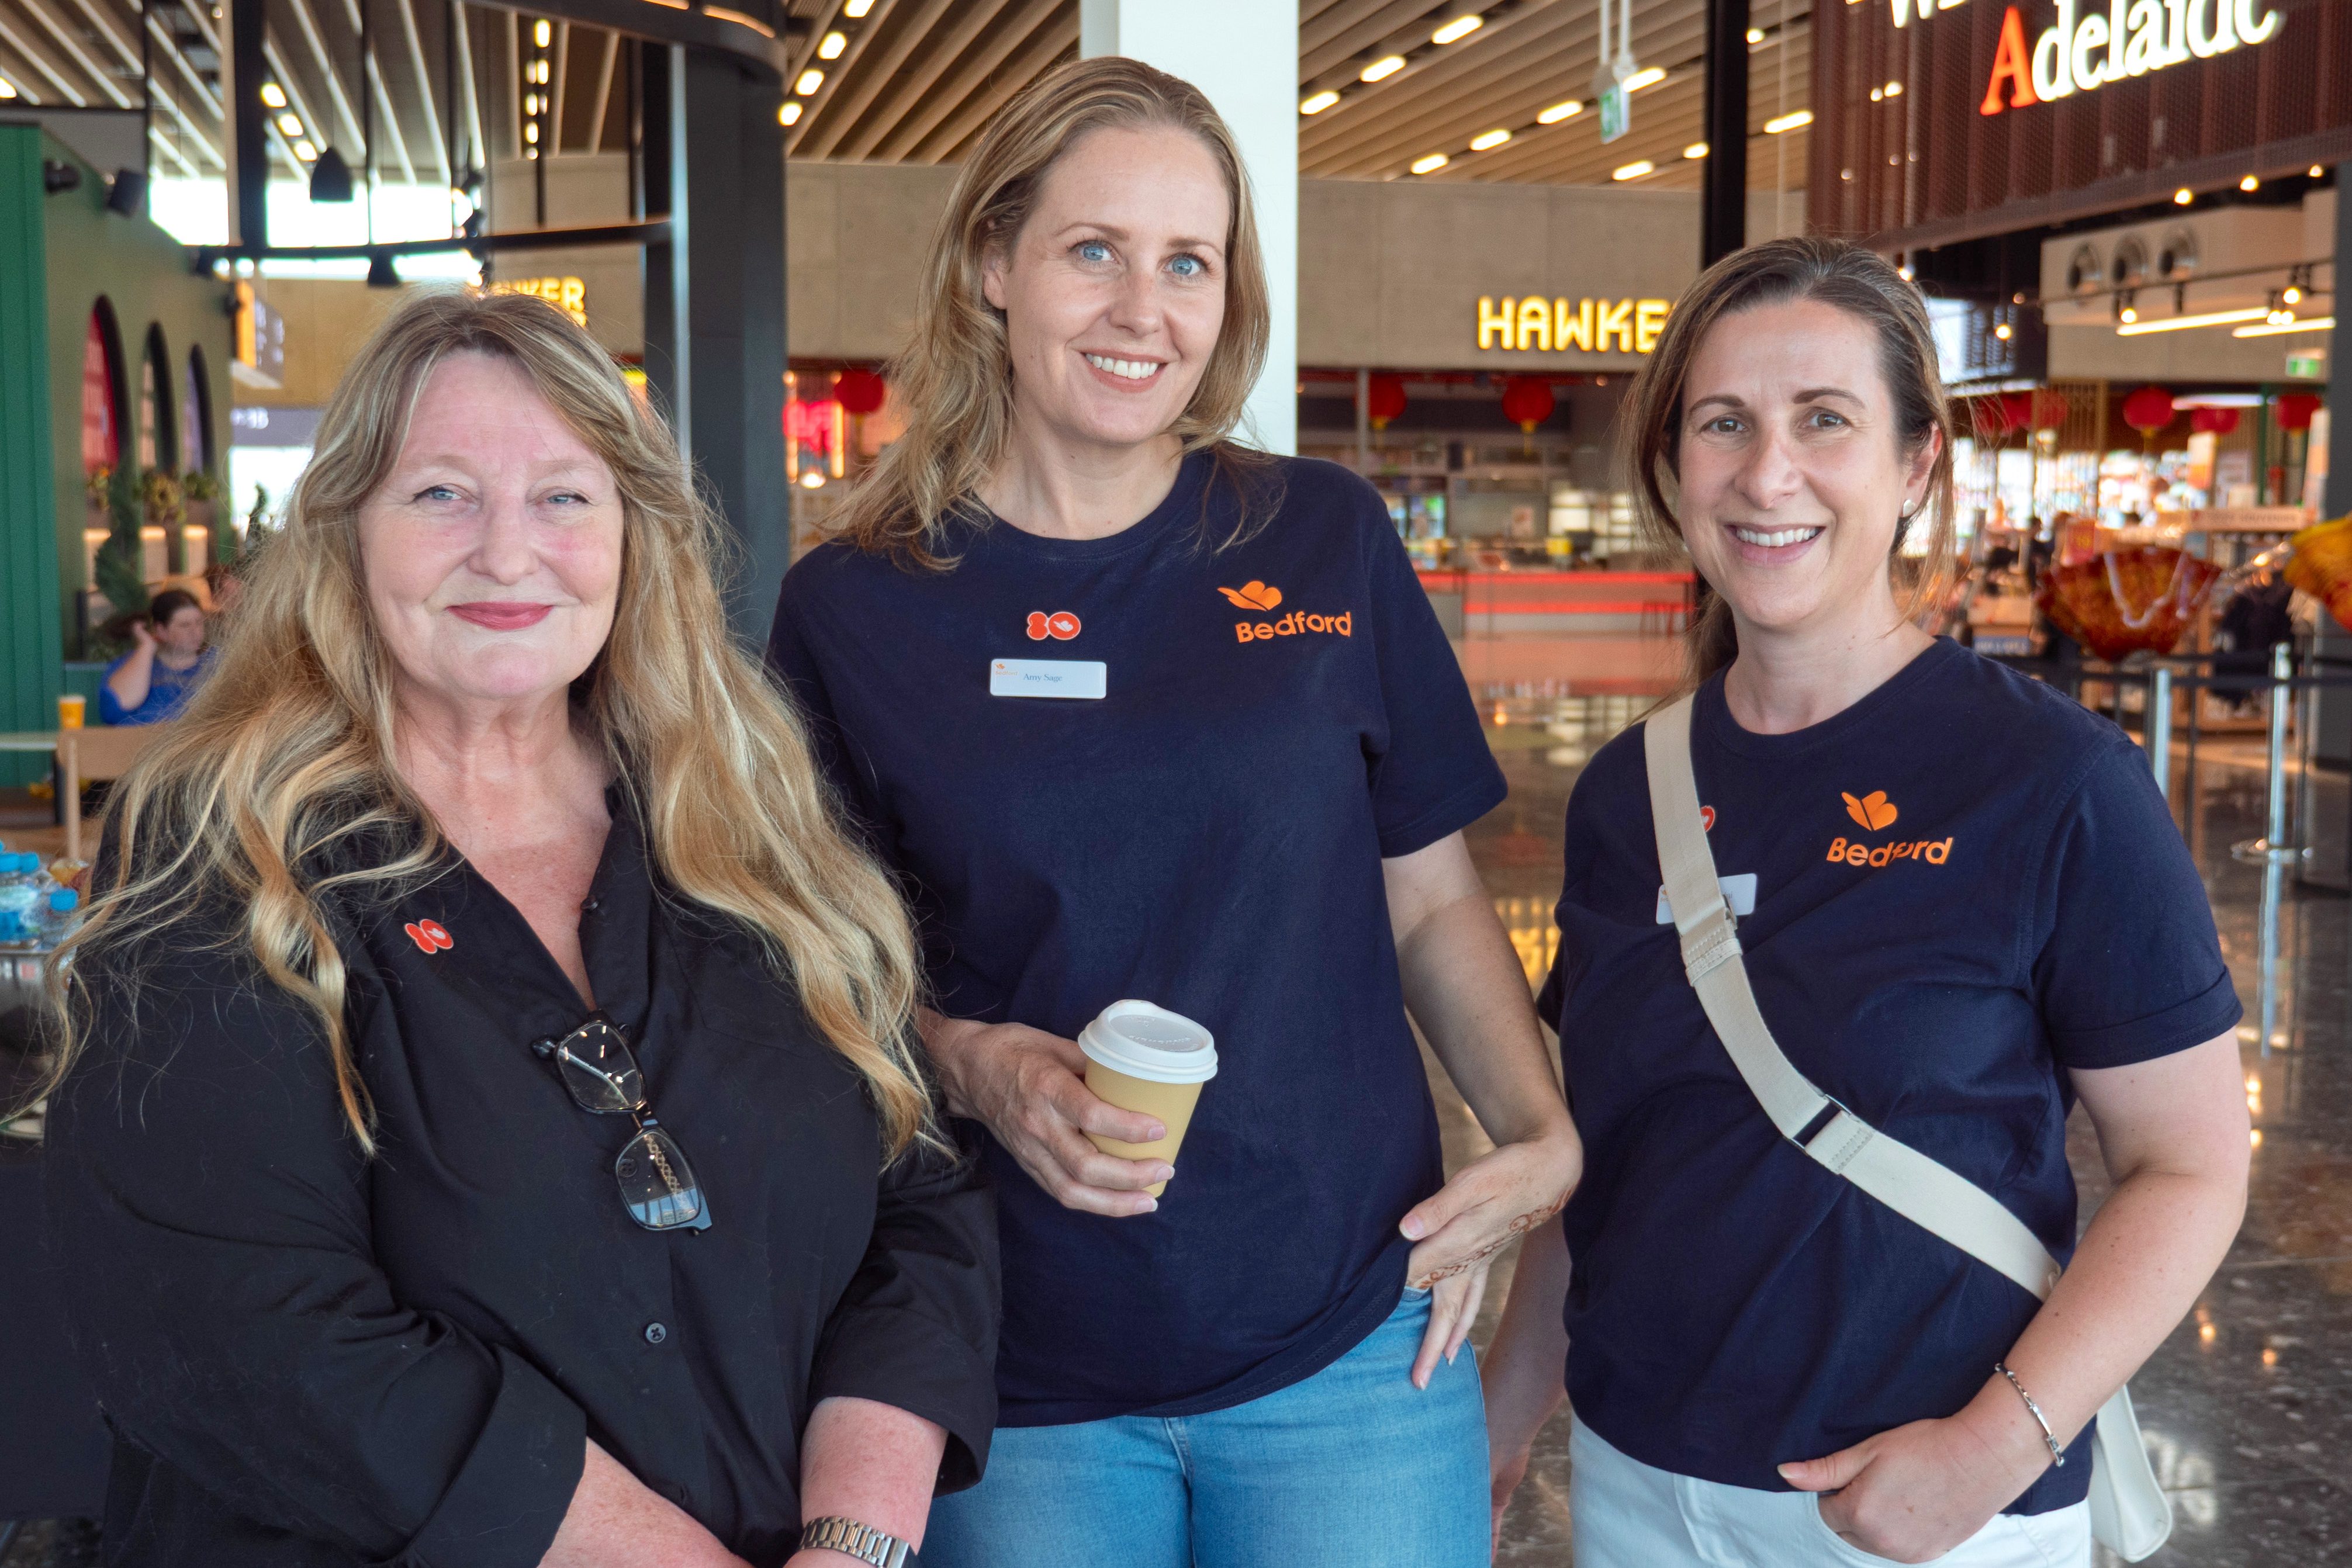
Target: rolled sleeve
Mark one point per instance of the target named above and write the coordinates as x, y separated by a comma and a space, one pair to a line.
916, 1328
209, 1206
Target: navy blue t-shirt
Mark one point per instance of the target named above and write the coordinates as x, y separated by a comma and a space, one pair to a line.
1279, 716
1966, 884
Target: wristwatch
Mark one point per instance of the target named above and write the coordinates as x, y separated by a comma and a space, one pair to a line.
859, 1540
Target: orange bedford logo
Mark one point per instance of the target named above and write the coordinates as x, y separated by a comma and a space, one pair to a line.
429, 935
1061, 626
1255, 595
1874, 811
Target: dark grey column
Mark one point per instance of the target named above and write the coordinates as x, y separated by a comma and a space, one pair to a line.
1723, 201
713, 159
2335, 728
247, 137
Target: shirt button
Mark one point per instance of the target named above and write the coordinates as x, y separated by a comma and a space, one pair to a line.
656, 1334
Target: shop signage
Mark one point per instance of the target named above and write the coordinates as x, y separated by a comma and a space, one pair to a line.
2087, 48
569, 295
1558, 326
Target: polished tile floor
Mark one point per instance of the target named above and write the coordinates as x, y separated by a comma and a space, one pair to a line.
2248, 1406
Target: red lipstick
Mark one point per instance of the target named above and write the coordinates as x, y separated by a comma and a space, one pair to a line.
501, 614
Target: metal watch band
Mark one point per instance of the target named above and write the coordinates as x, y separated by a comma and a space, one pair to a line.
859, 1540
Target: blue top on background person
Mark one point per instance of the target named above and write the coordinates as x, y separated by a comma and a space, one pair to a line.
168, 660
1249, 810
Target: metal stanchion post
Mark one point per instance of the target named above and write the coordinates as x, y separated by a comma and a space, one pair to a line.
2158, 728
2272, 849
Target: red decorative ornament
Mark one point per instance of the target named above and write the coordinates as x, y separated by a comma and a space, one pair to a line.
2046, 409
2295, 409
859, 390
1384, 400
1527, 401
2213, 420
2148, 410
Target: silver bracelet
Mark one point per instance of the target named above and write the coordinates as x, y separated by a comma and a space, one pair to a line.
852, 1539
2057, 1455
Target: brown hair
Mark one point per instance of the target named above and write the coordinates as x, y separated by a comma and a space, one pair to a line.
953, 381
168, 603
1836, 272
286, 752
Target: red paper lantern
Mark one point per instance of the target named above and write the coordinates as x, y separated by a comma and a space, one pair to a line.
2046, 409
1526, 402
859, 390
2148, 410
1384, 400
2213, 420
2295, 409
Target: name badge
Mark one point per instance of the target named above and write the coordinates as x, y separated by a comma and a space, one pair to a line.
1739, 892
1048, 678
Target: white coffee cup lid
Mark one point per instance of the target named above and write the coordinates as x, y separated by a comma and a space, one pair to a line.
1150, 1043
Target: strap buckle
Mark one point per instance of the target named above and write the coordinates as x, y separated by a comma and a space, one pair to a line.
1835, 1134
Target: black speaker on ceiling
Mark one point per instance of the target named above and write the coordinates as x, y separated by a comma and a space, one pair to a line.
127, 192
331, 178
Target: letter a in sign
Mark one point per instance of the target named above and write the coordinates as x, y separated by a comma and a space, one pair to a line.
2011, 60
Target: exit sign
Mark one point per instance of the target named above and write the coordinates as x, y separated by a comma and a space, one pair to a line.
2307, 364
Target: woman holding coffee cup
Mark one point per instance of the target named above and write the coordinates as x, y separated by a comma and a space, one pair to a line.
1144, 718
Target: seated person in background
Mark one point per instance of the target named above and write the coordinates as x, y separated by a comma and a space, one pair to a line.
167, 660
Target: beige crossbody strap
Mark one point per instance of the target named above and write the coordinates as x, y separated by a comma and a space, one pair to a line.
1928, 1194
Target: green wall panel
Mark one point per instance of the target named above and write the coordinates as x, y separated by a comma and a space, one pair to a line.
31, 642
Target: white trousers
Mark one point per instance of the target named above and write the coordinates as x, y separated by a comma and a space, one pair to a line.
1627, 1514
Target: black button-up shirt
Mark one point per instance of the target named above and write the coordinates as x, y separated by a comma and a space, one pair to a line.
314, 1358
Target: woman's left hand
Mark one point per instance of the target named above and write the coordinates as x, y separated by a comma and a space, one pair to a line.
1490, 1202
1914, 1492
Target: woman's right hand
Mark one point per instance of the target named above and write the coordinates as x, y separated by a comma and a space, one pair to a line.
141, 639
1027, 1088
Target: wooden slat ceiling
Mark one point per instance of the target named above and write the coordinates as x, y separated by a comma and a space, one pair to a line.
917, 80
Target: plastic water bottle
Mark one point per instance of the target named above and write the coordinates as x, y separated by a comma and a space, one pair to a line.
60, 914
21, 891
13, 933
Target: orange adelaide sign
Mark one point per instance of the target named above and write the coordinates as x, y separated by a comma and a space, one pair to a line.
2089, 45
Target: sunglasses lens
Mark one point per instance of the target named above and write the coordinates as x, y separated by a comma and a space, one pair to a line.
658, 1185
600, 1071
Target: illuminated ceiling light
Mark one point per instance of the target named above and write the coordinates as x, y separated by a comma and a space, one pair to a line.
1650, 78
2135, 328
2002, 332
2314, 172
1796, 121
1459, 29
304, 151
2313, 324
2292, 295
812, 479
7, 87
531, 103
1316, 103
810, 79
1429, 164
790, 114
1755, 35
832, 46
530, 132
1559, 112
2182, 197
857, 8
1876, 94
1695, 149
2250, 185
1904, 272
290, 124
1486, 139
1632, 171
2127, 315
273, 95
1895, 90
1388, 66
542, 33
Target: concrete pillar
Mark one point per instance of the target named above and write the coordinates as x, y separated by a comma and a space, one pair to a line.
2334, 739
1243, 54
713, 159
1723, 201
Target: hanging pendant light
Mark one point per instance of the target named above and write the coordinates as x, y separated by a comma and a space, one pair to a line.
331, 178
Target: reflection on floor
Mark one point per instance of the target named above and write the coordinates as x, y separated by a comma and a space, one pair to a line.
2248, 1406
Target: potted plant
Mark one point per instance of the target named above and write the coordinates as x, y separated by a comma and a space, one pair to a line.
202, 494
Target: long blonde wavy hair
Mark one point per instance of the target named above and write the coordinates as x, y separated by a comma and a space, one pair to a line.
287, 751
953, 381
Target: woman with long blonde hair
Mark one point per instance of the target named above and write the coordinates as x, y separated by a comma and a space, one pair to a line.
483, 844
1139, 713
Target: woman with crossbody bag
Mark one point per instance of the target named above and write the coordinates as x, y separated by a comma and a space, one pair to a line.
1845, 933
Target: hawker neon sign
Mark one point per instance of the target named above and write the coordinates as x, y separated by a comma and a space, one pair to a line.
2132, 38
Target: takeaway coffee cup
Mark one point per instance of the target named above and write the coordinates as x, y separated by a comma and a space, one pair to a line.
1146, 1059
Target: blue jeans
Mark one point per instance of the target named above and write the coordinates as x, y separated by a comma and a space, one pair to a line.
1355, 1468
